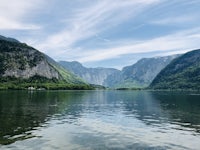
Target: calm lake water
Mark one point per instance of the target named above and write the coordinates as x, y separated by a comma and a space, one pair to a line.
99, 120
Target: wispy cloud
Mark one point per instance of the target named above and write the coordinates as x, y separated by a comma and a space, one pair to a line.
102, 30
89, 21
176, 43
176, 20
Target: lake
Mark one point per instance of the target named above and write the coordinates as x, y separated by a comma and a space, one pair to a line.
99, 120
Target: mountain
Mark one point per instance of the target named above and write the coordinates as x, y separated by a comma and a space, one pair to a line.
182, 73
22, 66
8, 39
140, 74
91, 75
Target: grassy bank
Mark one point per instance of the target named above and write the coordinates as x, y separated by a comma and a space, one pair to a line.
40, 83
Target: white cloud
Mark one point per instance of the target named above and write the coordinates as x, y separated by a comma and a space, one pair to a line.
12, 14
7, 24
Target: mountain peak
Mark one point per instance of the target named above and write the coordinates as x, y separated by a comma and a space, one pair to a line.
8, 39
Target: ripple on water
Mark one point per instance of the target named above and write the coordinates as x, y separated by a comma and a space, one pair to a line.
101, 120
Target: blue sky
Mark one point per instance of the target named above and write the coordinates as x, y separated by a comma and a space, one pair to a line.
103, 33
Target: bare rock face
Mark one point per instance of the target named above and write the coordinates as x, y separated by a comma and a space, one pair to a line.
21, 61
41, 69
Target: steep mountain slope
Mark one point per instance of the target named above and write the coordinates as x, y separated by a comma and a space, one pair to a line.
181, 73
139, 74
22, 63
91, 75
66, 75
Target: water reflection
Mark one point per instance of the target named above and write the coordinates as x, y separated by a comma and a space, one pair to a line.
22, 111
183, 108
99, 120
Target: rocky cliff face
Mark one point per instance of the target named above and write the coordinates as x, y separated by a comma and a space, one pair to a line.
139, 74
41, 69
19, 60
91, 75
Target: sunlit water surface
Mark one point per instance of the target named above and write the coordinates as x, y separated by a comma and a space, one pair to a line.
99, 120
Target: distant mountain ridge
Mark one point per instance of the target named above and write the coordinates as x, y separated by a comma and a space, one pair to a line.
182, 73
91, 75
140, 74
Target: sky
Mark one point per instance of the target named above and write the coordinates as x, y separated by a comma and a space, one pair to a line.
103, 33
